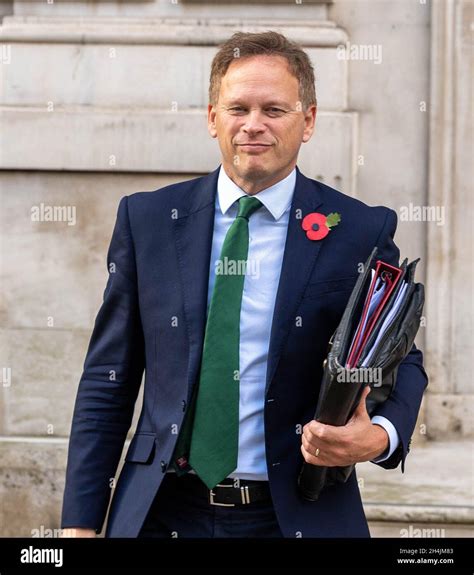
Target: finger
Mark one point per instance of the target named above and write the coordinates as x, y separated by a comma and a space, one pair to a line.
362, 407
317, 433
324, 458
331, 458
316, 430
312, 459
308, 445
310, 430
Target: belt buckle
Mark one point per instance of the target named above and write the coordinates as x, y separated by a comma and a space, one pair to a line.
244, 493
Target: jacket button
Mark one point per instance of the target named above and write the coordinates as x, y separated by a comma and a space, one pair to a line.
183, 403
163, 466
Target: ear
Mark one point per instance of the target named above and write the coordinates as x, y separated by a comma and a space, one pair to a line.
309, 122
211, 121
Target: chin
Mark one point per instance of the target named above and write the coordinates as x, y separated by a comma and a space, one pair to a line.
254, 169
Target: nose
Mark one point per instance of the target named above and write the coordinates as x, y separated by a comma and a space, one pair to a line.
253, 123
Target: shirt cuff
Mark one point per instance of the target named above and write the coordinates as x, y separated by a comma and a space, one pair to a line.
393, 439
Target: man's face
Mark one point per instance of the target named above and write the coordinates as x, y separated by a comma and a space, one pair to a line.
259, 121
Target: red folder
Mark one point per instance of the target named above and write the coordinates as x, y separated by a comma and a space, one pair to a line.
390, 275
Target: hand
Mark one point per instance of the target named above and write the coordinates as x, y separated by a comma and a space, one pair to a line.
359, 440
77, 532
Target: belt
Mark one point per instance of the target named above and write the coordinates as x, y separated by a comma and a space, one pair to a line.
229, 493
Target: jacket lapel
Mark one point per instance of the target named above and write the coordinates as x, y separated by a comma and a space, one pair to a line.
194, 228
298, 262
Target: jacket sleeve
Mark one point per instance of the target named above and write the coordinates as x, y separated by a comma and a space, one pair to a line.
108, 388
402, 407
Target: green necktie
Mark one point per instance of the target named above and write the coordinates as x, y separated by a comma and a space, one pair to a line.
211, 429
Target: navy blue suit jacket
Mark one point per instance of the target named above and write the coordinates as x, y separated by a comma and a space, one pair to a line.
159, 259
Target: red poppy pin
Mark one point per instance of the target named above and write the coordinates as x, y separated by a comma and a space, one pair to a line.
317, 226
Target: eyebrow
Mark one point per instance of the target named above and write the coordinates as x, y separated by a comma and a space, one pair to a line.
276, 103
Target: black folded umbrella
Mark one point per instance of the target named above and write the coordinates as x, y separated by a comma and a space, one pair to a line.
353, 357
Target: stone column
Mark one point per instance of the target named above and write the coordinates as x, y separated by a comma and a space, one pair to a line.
449, 308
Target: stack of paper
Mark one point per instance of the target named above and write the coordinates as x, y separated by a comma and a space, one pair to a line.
378, 312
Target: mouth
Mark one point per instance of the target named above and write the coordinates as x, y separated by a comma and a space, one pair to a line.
254, 147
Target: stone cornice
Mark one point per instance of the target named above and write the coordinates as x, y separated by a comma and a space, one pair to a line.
172, 31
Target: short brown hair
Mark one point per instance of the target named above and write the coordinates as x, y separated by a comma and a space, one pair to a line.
246, 44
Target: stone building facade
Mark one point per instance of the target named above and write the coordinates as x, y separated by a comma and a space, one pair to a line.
100, 99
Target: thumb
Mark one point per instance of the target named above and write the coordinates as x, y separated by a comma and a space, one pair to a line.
361, 410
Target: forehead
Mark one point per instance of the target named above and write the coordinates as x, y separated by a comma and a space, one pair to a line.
263, 73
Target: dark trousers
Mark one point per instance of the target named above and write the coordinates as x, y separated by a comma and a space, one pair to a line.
182, 509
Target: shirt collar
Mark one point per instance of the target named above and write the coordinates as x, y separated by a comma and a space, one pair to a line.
277, 198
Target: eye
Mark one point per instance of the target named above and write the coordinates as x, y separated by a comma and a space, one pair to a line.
275, 111
236, 110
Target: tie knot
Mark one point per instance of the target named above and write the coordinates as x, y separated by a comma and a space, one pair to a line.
247, 206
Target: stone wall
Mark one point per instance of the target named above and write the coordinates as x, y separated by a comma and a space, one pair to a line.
100, 99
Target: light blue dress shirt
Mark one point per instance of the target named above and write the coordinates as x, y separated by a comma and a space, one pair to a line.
267, 236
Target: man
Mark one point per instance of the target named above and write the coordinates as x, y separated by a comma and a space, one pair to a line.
232, 356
